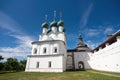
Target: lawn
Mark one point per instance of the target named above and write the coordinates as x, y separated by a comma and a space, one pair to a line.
74, 75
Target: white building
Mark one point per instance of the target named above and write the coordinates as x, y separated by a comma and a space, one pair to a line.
78, 58
106, 56
49, 53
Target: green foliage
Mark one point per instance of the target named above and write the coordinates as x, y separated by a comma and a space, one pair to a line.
22, 64
1, 58
1, 66
12, 64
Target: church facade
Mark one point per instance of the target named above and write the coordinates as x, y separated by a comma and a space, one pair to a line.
49, 53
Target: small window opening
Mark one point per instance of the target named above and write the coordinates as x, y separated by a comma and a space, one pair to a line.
44, 50
37, 65
55, 50
49, 64
35, 51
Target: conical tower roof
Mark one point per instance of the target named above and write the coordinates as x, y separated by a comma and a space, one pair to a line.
81, 46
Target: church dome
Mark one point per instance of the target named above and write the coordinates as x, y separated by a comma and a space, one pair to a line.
53, 23
60, 23
44, 25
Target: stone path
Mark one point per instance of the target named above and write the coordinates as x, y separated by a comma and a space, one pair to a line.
108, 74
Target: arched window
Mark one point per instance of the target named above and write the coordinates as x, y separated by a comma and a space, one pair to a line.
35, 51
55, 49
44, 50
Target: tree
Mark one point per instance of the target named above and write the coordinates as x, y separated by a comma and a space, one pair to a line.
12, 64
22, 64
1, 64
1, 58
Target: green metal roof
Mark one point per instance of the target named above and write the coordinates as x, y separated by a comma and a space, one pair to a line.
60, 23
53, 23
45, 25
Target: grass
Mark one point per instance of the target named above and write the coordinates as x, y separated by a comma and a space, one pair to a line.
74, 75
117, 74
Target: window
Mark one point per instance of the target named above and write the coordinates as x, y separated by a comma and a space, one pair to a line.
49, 64
37, 65
55, 50
35, 51
44, 50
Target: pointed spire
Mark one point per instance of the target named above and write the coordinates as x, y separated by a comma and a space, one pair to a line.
46, 16
54, 15
60, 22
45, 25
53, 23
60, 15
80, 38
81, 46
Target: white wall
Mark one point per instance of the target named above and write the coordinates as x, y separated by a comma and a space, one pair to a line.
58, 59
56, 64
82, 56
61, 48
69, 61
61, 36
53, 36
78, 56
107, 59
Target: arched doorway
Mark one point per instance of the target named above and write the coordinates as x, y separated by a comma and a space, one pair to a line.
81, 65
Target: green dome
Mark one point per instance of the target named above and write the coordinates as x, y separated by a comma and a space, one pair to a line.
53, 23
60, 23
44, 25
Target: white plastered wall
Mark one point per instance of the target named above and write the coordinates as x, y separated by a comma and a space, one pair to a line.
107, 59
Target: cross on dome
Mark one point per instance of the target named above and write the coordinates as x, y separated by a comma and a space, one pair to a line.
54, 15
46, 16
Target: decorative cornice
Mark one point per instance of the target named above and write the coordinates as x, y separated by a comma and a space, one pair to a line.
46, 55
36, 42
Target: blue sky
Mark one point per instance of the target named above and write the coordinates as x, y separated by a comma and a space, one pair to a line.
20, 22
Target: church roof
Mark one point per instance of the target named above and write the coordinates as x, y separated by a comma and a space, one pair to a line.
81, 46
60, 23
53, 23
45, 25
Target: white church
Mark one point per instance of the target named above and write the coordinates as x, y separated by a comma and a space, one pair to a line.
49, 53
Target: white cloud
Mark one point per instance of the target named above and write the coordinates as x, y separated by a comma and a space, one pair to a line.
23, 39
84, 19
108, 30
99, 30
91, 44
92, 32
23, 47
6, 22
